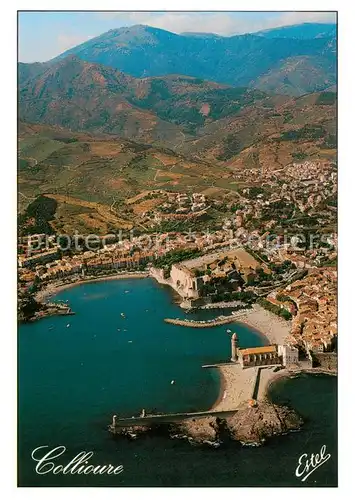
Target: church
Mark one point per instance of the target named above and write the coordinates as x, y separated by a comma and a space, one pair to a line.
267, 355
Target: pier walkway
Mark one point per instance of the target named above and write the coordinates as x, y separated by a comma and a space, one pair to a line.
220, 320
168, 417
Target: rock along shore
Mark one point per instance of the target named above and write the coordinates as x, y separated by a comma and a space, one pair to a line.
252, 424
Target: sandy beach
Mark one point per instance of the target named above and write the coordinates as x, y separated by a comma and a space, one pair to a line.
237, 386
273, 327
54, 288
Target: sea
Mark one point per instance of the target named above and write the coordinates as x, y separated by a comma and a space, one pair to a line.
75, 372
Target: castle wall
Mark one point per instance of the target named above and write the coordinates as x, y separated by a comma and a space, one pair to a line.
184, 281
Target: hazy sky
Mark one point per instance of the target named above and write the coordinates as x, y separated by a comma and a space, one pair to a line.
43, 35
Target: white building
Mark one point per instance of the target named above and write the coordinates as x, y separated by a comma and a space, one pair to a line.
289, 354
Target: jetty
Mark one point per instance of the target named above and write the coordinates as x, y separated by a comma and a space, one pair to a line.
221, 320
165, 418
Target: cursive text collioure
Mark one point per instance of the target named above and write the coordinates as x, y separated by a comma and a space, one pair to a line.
307, 465
77, 465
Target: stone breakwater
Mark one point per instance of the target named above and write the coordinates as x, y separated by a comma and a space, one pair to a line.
221, 320
251, 424
274, 328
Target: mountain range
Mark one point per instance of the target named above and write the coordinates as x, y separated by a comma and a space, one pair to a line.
176, 111
111, 133
292, 60
83, 89
96, 98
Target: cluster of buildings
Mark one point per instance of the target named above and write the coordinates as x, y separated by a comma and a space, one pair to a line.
87, 263
289, 198
311, 170
314, 302
308, 188
182, 203
308, 259
189, 277
175, 205
37, 249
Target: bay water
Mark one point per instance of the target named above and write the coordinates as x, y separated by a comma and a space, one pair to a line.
72, 379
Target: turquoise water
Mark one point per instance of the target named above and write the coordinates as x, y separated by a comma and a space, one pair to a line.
71, 381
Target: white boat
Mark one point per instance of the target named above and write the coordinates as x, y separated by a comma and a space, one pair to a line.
123, 315
172, 382
229, 331
68, 325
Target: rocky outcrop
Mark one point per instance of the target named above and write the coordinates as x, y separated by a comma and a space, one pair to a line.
253, 424
133, 431
30, 309
197, 430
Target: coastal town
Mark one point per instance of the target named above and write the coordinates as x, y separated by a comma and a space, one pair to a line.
240, 264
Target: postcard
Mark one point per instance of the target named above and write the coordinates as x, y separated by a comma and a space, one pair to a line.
177, 249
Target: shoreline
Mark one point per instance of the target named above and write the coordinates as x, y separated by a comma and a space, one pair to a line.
266, 324
222, 389
289, 374
236, 386
234, 381
52, 289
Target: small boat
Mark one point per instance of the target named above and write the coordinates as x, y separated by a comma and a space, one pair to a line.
130, 341
123, 315
126, 291
214, 444
172, 382
68, 325
229, 331
118, 329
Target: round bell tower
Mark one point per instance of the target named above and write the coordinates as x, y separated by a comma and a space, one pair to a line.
234, 347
